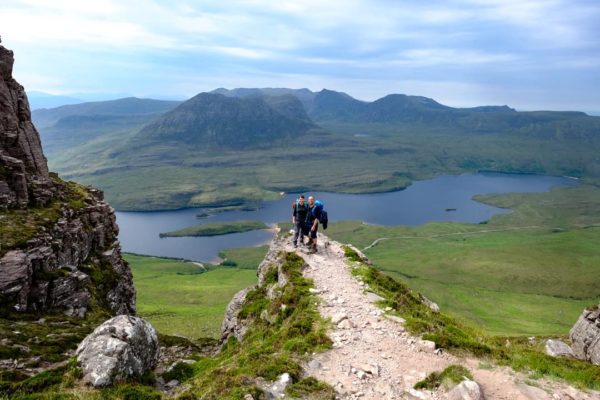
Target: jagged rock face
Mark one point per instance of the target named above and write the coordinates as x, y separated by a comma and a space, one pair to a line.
122, 347
23, 168
61, 266
585, 336
232, 326
53, 271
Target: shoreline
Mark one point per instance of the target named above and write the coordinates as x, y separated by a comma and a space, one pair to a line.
211, 209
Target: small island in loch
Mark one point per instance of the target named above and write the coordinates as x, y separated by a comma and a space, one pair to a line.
217, 228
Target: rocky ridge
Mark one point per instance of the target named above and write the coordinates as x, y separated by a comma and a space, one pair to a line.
24, 177
373, 355
71, 253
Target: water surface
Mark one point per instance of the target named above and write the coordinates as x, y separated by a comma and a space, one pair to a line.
422, 202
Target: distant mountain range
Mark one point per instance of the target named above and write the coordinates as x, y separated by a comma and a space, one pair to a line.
237, 147
424, 114
125, 107
248, 117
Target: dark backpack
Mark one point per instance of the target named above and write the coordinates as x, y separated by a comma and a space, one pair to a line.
318, 210
324, 219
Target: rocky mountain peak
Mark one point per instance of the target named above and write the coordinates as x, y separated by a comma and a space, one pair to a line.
24, 178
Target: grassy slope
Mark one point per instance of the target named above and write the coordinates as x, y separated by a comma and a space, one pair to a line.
245, 257
453, 335
179, 299
217, 228
535, 280
387, 158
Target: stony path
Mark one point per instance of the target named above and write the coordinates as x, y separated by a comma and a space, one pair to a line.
374, 358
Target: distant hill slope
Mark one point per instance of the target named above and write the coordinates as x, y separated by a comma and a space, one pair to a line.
68, 126
121, 107
422, 114
39, 100
215, 120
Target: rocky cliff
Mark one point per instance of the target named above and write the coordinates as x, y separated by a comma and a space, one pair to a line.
24, 178
58, 240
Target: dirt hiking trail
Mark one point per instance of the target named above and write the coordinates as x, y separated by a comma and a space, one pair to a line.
373, 357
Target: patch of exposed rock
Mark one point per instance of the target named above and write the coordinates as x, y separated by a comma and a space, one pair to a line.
557, 348
232, 326
585, 336
121, 348
466, 390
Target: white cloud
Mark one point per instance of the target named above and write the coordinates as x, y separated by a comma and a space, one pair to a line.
360, 46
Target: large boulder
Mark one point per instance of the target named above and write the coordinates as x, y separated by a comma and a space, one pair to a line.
121, 348
585, 336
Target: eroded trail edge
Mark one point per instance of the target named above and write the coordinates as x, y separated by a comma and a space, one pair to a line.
373, 357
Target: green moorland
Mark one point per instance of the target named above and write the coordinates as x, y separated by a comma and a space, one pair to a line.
244, 257
529, 272
186, 299
357, 159
217, 228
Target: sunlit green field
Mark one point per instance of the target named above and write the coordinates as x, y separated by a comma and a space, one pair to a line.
178, 298
530, 272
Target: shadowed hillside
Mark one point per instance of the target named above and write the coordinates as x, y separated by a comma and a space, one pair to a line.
214, 120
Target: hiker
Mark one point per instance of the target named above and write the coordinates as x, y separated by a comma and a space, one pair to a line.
312, 223
300, 210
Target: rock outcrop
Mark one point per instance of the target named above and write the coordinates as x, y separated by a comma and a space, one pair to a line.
121, 348
59, 247
232, 326
585, 336
24, 175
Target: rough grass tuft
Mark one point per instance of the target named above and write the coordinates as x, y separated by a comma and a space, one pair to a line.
311, 388
449, 377
351, 254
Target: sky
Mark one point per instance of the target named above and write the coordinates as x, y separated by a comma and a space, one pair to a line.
531, 55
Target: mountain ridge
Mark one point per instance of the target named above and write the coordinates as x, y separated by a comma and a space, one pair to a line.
237, 149
215, 120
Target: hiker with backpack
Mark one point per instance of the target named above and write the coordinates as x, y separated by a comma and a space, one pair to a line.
314, 215
299, 218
